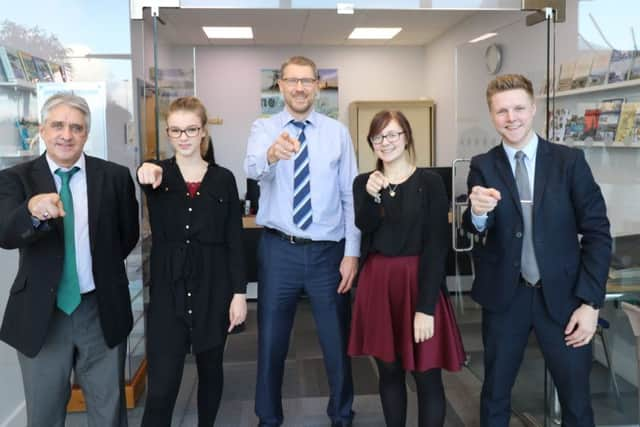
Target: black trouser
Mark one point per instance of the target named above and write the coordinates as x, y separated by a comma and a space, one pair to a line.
165, 375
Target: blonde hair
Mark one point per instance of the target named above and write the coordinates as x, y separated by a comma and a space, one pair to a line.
508, 82
195, 106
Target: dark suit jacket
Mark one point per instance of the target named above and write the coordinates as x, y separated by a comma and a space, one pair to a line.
567, 203
113, 233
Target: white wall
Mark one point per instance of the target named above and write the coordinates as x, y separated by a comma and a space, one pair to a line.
440, 64
228, 82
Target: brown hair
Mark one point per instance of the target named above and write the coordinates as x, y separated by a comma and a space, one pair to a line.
508, 82
299, 60
381, 120
195, 106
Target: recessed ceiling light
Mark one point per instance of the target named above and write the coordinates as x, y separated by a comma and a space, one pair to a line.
345, 8
228, 32
483, 37
374, 33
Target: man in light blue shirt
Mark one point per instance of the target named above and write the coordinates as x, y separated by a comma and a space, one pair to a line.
305, 164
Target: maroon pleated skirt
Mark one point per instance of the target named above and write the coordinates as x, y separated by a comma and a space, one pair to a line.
382, 323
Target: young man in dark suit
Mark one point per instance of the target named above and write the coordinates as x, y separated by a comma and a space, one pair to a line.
543, 256
74, 219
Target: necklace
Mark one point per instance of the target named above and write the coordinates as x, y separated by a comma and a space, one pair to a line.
394, 187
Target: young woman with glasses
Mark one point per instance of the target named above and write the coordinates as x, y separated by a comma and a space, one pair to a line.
197, 290
402, 315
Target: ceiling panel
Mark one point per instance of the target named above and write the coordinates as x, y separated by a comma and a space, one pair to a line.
307, 27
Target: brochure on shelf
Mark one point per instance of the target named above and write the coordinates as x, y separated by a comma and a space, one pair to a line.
620, 65
600, 68
627, 124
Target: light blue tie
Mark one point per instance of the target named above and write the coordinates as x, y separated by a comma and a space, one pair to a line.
301, 182
68, 297
529, 264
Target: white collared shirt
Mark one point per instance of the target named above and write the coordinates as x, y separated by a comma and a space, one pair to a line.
530, 150
78, 187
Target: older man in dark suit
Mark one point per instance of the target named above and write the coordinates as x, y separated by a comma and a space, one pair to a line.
74, 219
543, 258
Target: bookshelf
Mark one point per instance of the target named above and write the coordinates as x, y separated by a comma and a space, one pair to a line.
19, 85
593, 89
600, 144
596, 117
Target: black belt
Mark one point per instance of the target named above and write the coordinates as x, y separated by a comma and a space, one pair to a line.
528, 284
294, 240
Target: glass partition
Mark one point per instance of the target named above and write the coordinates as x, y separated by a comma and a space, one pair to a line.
594, 106
42, 47
360, 4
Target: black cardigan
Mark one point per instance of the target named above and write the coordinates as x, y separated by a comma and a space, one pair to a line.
197, 256
433, 226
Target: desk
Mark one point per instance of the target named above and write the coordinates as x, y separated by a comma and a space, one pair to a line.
253, 231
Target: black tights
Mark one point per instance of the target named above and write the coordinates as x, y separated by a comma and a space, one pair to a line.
393, 394
165, 375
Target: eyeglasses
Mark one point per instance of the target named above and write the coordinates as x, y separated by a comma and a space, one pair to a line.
293, 82
176, 133
391, 137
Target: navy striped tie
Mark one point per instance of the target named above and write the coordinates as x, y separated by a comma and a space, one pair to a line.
301, 183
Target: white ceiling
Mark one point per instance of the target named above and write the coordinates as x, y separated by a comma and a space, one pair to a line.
308, 27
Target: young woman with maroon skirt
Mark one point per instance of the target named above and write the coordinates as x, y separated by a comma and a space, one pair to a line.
402, 315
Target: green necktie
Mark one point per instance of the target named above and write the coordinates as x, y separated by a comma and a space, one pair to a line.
69, 288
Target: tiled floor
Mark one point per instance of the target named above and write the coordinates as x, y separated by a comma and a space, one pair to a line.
305, 387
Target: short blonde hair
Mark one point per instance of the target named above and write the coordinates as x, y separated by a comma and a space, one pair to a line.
508, 82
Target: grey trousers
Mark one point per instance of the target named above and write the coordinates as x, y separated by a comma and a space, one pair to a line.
75, 342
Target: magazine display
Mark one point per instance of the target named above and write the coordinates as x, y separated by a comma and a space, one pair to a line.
635, 67
12, 65
559, 124
29, 67
42, 70
608, 119
566, 75
600, 68
628, 123
582, 71
620, 65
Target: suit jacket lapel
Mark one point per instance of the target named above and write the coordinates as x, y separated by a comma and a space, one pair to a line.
543, 165
504, 171
95, 177
42, 179
42, 182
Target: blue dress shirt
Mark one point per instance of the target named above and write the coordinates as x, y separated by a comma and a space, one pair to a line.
479, 221
332, 168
